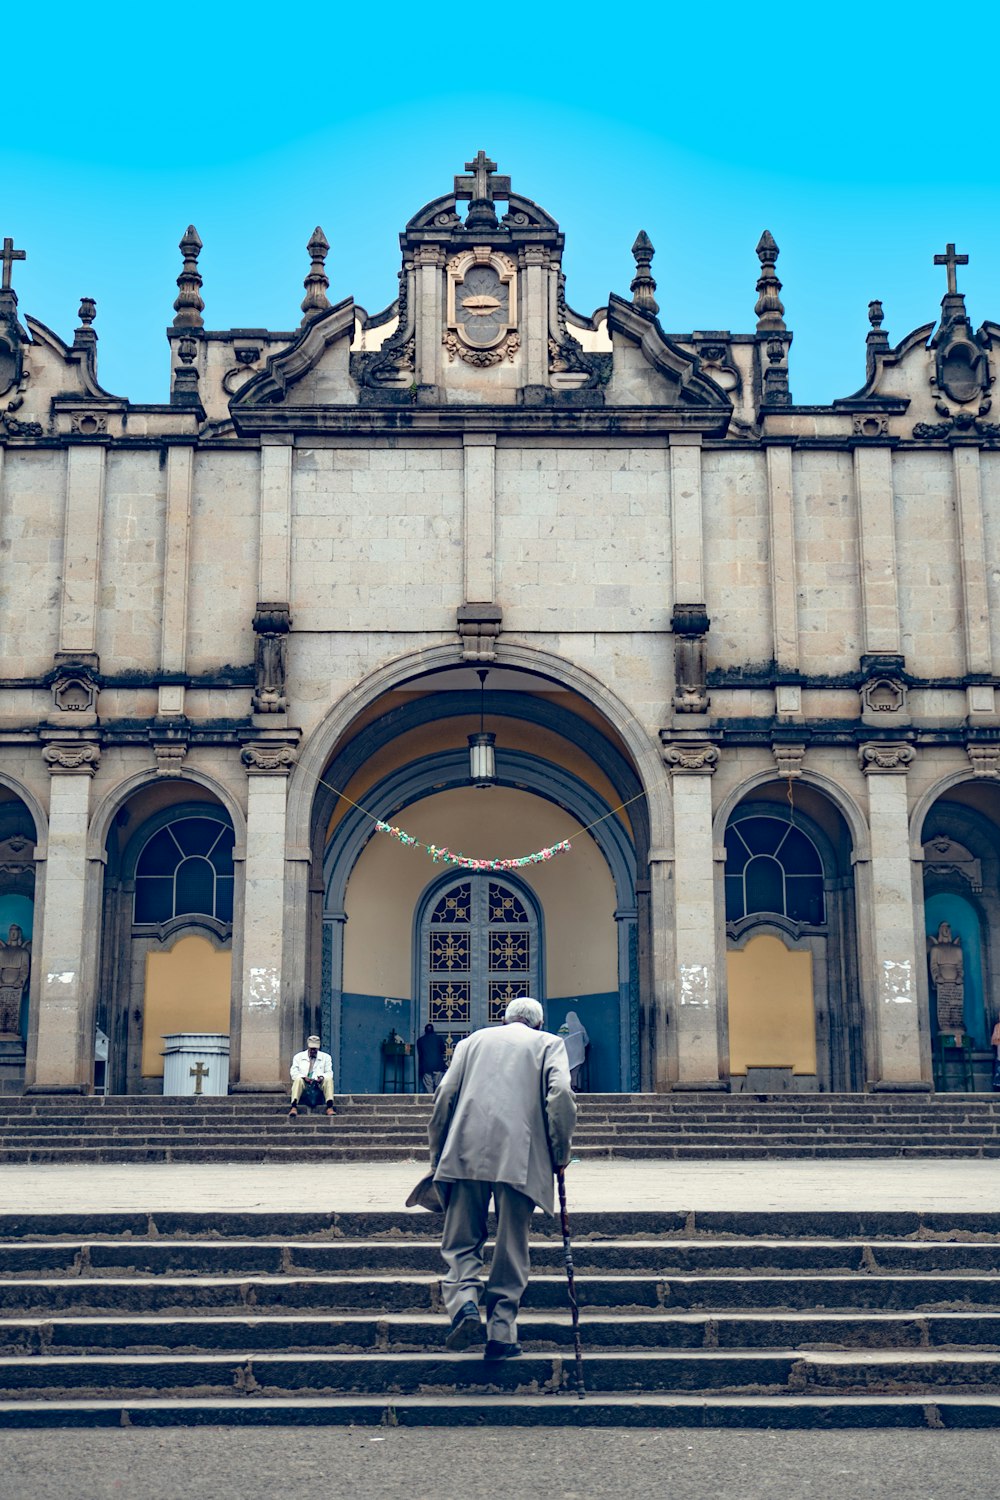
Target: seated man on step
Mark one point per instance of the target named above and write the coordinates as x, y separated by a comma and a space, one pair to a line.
312, 1075
503, 1118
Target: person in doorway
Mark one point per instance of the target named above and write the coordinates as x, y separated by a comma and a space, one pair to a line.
574, 1034
430, 1059
995, 1044
312, 1074
502, 1122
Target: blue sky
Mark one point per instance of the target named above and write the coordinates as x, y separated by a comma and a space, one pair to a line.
863, 139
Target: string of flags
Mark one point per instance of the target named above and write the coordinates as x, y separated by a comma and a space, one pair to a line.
444, 856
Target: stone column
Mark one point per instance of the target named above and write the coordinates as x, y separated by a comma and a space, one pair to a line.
262, 1065
892, 990
479, 538
67, 956
696, 1004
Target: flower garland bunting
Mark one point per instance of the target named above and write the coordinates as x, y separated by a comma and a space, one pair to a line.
444, 856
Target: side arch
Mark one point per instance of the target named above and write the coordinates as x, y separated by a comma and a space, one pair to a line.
855, 819
100, 823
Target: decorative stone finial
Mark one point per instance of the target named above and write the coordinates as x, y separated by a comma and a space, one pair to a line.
643, 285
877, 341
315, 300
85, 337
770, 309
189, 305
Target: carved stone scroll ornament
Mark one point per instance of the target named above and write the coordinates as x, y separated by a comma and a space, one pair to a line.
984, 759
875, 758
479, 626
271, 624
788, 759
77, 758
268, 758
691, 758
690, 624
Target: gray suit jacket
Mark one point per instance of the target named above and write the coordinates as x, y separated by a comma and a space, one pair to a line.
504, 1111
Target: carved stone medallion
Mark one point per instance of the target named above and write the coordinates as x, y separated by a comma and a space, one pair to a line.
482, 307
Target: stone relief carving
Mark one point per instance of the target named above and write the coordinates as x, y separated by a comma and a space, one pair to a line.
702, 759
88, 423
944, 855
479, 626
984, 759
271, 624
870, 424
75, 693
690, 626
482, 307
883, 695
279, 758
83, 758
788, 759
884, 757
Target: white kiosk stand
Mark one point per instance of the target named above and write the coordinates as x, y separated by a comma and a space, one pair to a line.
196, 1063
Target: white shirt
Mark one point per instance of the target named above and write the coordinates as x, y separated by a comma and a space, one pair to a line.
304, 1066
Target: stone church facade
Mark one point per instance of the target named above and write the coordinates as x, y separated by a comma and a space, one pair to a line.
742, 654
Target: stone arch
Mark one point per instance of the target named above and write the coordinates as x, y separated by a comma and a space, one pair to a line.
322, 743
38, 814
124, 791
857, 823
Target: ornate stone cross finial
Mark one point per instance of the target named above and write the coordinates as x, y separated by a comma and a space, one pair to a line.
9, 255
951, 260
643, 285
482, 186
189, 305
315, 300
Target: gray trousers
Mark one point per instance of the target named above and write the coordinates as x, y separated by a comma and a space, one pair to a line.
462, 1248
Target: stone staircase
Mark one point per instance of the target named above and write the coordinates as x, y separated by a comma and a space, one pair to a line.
373, 1127
711, 1319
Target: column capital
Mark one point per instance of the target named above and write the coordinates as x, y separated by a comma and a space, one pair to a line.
688, 757
434, 256
72, 757
882, 757
268, 759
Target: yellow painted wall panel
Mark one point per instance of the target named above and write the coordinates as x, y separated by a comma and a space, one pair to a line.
187, 989
772, 1017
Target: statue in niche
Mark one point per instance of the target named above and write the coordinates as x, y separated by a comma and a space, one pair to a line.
948, 976
15, 966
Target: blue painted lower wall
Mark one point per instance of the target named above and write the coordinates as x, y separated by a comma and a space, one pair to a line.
365, 1020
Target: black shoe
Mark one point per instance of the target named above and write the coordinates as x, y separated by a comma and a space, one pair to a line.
495, 1349
466, 1329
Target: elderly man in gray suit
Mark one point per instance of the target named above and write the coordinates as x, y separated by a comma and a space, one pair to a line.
502, 1122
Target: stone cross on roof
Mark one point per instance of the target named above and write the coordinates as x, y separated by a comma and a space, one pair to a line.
482, 186
951, 260
8, 256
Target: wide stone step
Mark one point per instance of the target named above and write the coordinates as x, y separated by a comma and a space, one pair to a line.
639, 1410
412, 1292
749, 1257
708, 1370
413, 1332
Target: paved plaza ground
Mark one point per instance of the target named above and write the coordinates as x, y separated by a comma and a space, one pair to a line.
962, 1185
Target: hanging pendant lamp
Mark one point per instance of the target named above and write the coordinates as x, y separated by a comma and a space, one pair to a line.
482, 761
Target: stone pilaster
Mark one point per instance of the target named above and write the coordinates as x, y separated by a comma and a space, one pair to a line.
268, 764
877, 549
479, 531
696, 991
176, 552
82, 551
534, 320
274, 557
64, 1044
890, 987
429, 262
686, 518
781, 535
972, 556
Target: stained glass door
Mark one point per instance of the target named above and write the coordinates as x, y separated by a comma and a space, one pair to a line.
479, 951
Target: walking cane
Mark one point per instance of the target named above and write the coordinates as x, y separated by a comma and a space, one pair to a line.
571, 1281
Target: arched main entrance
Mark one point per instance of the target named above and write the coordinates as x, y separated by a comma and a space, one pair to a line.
557, 774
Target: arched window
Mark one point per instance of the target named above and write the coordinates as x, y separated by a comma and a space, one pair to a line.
772, 866
479, 951
186, 869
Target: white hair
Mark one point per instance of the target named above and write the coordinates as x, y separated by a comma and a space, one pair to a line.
524, 1009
